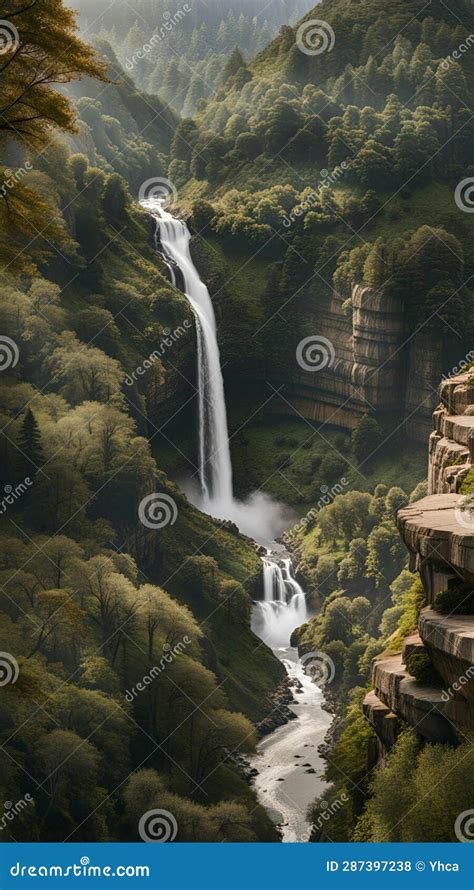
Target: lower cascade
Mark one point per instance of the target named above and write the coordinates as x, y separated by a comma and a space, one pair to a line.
284, 605
281, 784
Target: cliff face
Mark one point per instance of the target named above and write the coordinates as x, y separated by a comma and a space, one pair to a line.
378, 368
439, 533
452, 440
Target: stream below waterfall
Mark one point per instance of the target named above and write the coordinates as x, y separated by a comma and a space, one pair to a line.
288, 763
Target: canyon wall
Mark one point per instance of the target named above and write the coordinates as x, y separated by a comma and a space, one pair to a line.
379, 367
439, 534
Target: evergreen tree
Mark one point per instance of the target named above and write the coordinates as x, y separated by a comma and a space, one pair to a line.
30, 455
366, 438
234, 64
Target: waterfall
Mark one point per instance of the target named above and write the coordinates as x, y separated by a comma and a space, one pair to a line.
284, 604
215, 468
259, 517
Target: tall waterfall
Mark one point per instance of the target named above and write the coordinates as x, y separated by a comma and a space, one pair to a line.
284, 604
215, 468
259, 516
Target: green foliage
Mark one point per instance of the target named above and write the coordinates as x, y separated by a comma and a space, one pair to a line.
411, 800
366, 439
456, 600
421, 667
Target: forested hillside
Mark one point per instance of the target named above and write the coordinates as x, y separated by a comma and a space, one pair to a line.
326, 195
193, 43
91, 599
311, 174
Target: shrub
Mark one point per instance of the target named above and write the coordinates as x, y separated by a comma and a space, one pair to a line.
455, 601
421, 667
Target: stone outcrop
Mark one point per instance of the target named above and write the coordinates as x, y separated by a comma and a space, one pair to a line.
379, 367
449, 640
439, 533
451, 450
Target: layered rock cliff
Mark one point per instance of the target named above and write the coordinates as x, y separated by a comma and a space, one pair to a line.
439, 534
379, 367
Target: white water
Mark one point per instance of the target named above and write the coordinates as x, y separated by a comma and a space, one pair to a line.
284, 605
215, 468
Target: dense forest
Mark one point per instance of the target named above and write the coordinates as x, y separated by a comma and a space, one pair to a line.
300, 175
